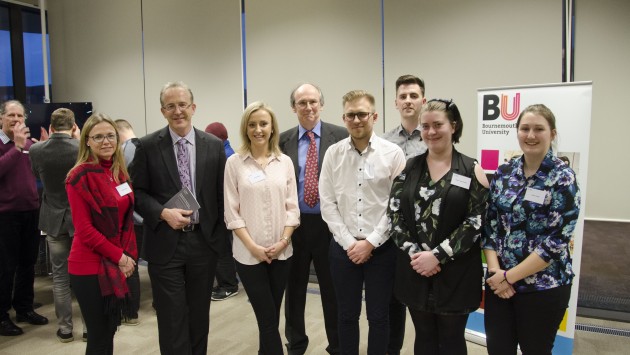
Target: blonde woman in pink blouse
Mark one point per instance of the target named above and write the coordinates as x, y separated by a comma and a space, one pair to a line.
261, 208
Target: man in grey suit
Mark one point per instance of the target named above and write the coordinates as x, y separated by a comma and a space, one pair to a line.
51, 160
312, 239
181, 245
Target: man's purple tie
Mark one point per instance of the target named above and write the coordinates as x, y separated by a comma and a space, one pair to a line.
183, 167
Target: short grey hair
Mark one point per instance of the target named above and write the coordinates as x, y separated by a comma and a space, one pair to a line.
175, 84
3, 107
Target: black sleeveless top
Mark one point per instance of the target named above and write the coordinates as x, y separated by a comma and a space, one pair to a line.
445, 218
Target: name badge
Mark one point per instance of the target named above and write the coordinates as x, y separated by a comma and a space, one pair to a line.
461, 181
256, 177
536, 196
123, 189
368, 171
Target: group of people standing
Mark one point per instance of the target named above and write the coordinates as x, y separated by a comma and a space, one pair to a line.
401, 219
442, 211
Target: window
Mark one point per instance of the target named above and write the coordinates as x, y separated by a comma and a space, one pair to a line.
21, 60
33, 60
6, 67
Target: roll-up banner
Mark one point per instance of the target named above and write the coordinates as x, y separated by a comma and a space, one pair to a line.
498, 110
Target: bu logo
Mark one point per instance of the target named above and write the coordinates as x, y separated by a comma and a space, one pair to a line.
493, 107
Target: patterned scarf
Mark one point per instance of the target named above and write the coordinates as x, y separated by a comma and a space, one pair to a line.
93, 185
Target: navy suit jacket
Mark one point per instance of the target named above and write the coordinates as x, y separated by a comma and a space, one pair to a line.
330, 134
51, 160
155, 180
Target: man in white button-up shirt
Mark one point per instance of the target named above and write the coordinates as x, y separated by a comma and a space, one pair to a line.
354, 187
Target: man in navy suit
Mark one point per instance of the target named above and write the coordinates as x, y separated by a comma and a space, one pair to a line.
312, 239
181, 246
51, 160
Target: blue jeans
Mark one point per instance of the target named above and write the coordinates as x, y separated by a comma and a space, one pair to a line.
348, 278
59, 249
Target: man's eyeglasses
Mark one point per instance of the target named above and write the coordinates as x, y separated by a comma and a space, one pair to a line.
99, 138
363, 116
304, 104
172, 107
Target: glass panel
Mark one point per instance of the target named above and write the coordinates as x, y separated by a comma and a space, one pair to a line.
33, 61
6, 68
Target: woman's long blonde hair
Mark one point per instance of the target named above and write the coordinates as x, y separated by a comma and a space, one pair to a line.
274, 138
87, 155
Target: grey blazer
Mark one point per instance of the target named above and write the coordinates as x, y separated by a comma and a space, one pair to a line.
51, 160
155, 180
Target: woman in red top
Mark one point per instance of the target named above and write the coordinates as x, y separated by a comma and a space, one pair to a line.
103, 251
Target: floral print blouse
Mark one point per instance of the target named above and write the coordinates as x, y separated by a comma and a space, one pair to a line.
428, 201
516, 226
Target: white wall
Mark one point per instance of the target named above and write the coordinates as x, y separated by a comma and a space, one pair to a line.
602, 50
199, 44
96, 55
456, 46
334, 44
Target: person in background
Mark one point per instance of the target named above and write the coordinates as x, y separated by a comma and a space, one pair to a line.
129, 141
410, 96
306, 145
261, 208
103, 249
51, 160
534, 206
227, 283
435, 215
219, 130
409, 100
354, 186
19, 237
181, 245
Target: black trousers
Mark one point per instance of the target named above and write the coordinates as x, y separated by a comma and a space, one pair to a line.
530, 320
226, 270
311, 243
133, 281
19, 246
100, 327
438, 334
181, 296
397, 318
264, 284
377, 274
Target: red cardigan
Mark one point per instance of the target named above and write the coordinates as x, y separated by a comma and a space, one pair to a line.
89, 245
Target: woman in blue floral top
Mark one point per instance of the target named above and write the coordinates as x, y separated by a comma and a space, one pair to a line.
533, 208
435, 215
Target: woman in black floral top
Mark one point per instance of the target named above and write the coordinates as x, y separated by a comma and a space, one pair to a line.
534, 206
435, 215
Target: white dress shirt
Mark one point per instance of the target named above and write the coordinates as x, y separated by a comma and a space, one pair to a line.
354, 189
